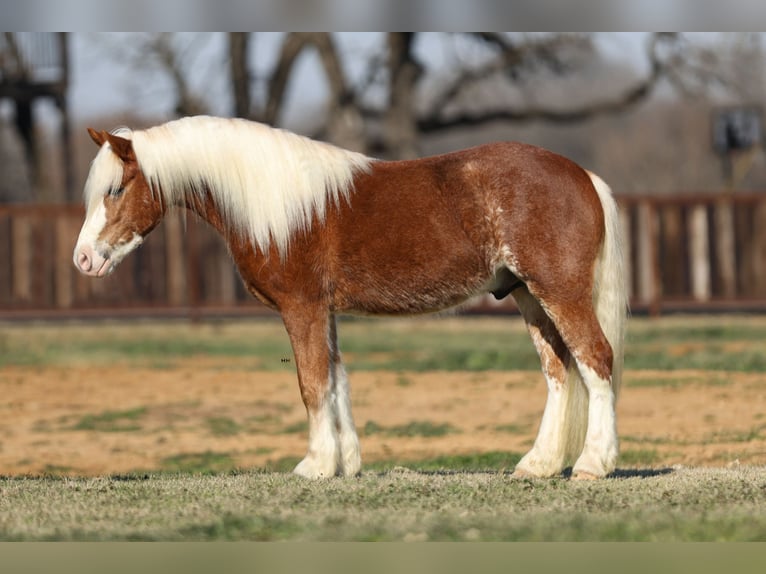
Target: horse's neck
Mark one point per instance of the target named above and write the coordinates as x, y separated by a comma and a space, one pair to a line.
205, 208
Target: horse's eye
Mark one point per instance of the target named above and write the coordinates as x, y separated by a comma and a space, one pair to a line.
116, 192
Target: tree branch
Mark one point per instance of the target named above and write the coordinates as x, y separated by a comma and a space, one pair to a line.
187, 104
435, 121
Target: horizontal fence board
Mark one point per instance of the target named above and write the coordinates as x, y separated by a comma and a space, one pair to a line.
690, 252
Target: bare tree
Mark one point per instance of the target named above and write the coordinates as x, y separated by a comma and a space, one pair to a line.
239, 43
423, 100
174, 58
187, 102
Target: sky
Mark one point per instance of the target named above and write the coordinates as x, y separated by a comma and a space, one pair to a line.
553, 15
102, 84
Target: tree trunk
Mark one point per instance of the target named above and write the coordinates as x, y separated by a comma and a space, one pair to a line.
400, 130
240, 76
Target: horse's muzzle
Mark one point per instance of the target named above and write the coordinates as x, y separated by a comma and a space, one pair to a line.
90, 262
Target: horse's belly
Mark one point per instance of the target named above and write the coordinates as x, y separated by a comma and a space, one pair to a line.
409, 291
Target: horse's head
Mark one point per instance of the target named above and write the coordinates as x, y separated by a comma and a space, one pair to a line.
121, 208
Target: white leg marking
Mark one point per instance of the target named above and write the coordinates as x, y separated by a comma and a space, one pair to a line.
562, 428
546, 457
333, 442
350, 458
322, 459
599, 456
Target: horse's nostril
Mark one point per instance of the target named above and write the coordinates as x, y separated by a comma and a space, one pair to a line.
84, 260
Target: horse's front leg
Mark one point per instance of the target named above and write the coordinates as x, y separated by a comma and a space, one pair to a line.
350, 458
310, 332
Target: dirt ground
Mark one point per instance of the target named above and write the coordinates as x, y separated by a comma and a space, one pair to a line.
99, 421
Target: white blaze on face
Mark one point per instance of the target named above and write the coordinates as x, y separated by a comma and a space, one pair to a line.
87, 257
91, 256
97, 258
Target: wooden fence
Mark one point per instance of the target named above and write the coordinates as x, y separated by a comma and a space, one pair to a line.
683, 252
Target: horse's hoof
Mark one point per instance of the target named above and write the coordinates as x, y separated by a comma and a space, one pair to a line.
585, 476
520, 473
312, 469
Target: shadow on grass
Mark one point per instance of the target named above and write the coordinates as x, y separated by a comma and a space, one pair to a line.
618, 474
494, 463
640, 472
622, 473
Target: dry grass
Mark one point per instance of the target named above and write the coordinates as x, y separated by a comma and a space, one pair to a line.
399, 505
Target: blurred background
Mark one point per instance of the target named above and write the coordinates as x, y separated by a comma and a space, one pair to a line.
672, 121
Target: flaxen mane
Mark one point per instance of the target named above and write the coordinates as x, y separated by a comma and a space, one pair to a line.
268, 183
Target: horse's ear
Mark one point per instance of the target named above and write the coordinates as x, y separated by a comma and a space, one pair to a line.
122, 147
98, 137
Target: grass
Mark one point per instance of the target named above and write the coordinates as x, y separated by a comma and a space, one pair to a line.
223, 426
477, 462
112, 421
199, 463
720, 343
204, 496
393, 505
639, 457
411, 429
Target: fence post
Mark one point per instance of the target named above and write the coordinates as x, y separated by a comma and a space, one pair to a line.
174, 259
699, 252
64, 294
723, 217
21, 235
758, 250
673, 265
649, 286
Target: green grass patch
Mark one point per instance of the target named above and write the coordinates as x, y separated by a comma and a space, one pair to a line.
639, 457
476, 462
496, 461
512, 428
223, 426
236, 526
112, 421
151, 344
207, 462
711, 379
648, 440
284, 464
403, 381
748, 435
55, 470
411, 429
716, 343
300, 427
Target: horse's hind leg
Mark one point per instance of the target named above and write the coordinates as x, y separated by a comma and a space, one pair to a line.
562, 428
594, 361
581, 332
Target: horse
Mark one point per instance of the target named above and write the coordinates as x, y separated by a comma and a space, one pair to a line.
317, 231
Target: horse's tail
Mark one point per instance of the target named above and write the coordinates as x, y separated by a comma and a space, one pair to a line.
610, 297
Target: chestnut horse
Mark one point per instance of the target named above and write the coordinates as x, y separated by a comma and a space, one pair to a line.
316, 230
